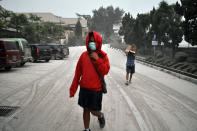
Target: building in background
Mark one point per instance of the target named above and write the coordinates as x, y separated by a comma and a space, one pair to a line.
116, 28
66, 22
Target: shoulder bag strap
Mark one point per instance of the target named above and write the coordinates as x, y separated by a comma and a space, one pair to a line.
95, 68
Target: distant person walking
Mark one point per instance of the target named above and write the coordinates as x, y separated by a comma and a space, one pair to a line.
90, 94
130, 64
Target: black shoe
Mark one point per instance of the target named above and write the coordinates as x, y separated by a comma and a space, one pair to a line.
101, 120
86, 130
127, 83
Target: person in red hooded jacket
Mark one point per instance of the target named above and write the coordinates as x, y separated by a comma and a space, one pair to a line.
90, 94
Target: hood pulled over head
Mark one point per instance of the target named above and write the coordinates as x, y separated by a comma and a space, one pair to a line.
97, 40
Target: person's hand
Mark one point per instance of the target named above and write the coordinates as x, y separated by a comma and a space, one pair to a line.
127, 51
94, 55
72, 96
132, 51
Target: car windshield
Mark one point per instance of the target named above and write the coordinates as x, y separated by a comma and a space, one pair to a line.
55, 46
43, 47
11, 45
25, 44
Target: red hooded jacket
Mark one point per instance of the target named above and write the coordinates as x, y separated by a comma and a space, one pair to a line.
85, 74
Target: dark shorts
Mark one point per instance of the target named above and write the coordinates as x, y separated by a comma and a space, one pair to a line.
130, 69
90, 99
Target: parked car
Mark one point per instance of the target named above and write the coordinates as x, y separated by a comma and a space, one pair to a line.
65, 50
41, 52
57, 51
9, 54
25, 50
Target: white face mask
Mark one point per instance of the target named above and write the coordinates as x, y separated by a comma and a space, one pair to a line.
92, 46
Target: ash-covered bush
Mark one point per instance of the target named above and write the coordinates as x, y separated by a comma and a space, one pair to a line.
181, 56
158, 54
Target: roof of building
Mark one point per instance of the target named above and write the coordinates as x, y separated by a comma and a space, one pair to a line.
49, 17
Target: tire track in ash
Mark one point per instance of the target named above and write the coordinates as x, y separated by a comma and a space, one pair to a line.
48, 90
178, 108
27, 102
160, 105
133, 108
23, 87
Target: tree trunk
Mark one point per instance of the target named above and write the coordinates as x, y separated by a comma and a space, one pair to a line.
173, 52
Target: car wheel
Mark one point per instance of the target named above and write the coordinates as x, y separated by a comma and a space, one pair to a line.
35, 61
47, 60
22, 64
8, 68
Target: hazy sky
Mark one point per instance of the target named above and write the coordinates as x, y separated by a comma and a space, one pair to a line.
69, 8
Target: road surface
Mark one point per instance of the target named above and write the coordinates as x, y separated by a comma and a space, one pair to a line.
155, 101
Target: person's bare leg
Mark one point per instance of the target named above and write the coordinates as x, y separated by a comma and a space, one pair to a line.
101, 118
127, 76
96, 113
127, 79
130, 76
86, 118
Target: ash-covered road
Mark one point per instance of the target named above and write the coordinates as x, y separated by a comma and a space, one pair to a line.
155, 101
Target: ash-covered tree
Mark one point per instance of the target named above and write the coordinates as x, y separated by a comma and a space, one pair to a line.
127, 27
32, 31
166, 25
188, 9
34, 18
18, 21
103, 19
4, 16
163, 22
78, 29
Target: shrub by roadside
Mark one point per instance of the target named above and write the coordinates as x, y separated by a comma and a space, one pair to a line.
180, 56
